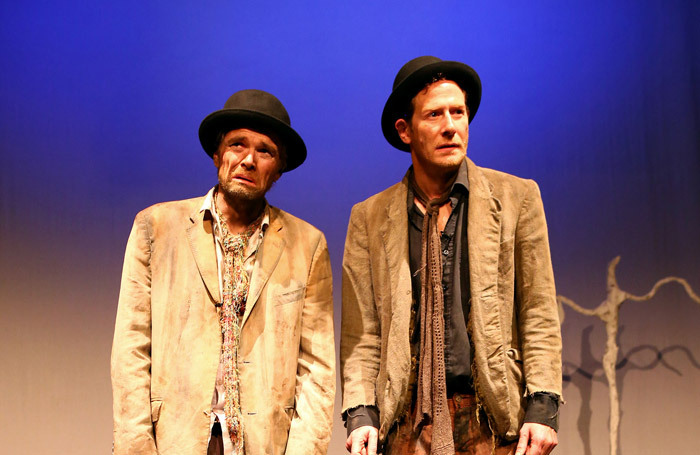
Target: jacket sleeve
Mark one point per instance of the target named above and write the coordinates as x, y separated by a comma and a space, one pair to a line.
312, 421
360, 337
537, 311
131, 349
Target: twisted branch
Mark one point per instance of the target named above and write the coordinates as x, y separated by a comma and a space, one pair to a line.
608, 312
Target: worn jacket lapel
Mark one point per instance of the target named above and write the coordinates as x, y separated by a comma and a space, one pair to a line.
266, 260
394, 231
395, 234
483, 234
485, 327
201, 240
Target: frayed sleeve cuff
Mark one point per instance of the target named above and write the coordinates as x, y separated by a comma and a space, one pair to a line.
361, 416
543, 407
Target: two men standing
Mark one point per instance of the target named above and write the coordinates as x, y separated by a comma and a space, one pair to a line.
450, 334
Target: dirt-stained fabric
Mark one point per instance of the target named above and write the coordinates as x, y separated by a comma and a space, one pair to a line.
513, 320
472, 436
167, 341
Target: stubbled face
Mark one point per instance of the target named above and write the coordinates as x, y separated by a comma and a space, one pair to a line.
438, 131
248, 163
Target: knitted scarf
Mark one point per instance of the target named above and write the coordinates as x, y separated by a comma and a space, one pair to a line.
235, 292
431, 388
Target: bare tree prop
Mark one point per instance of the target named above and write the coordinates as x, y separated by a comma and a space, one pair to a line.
609, 312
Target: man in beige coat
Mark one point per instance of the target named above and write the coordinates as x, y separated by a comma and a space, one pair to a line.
450, 337
224, 350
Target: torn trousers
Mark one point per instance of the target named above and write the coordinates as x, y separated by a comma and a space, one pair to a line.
472, 436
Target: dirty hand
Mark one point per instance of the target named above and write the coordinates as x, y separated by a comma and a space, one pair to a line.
536, 439
362, 441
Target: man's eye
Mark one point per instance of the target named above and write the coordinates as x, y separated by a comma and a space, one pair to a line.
434, 114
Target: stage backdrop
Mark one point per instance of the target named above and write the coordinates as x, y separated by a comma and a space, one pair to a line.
100, 102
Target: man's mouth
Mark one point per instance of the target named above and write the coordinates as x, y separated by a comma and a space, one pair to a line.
448, 146
242, 178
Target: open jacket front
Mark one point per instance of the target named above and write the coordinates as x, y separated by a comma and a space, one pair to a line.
513, 324
167, 339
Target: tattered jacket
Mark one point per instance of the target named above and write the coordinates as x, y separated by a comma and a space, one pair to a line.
513, 323
167, 339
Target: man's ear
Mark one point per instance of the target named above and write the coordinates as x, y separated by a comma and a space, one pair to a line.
217, 159
404, 130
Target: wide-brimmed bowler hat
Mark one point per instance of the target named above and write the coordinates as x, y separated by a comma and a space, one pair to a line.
257, 110
413, 77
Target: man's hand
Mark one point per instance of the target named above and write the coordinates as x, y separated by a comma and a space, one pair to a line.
363, 441
536, 439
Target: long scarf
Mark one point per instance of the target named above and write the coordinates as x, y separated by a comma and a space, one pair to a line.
431, 388
235, 292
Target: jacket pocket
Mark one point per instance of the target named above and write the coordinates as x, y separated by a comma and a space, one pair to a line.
155, 410
289, 410
291, 296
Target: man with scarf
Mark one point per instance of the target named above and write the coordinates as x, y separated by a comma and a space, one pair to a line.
223, 341
450, 339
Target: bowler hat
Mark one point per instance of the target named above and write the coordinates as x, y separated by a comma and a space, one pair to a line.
253, 109
411, 79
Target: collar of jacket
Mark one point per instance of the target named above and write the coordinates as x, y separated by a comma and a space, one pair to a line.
200, 238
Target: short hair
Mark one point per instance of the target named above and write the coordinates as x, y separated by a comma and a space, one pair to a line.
408, 107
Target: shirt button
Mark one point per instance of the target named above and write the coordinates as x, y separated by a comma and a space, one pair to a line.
445, 252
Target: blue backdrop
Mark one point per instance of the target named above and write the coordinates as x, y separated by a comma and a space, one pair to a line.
599, 102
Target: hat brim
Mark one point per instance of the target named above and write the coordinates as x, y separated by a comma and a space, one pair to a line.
229, 119
458, 72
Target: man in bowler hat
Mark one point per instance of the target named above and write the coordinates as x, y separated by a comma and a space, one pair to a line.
224, 334
450, 339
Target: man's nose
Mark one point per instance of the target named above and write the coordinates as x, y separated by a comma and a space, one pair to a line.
248, 160
449, 127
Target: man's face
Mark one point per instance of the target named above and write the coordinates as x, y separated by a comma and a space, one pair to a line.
438, 131
248, 163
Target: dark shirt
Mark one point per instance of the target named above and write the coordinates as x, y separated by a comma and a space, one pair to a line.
541, 407
455, 281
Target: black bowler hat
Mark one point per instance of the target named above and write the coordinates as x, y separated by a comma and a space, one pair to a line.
411, 79
253, 109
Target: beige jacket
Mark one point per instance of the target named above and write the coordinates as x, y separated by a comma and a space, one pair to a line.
167, 339
513, 324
